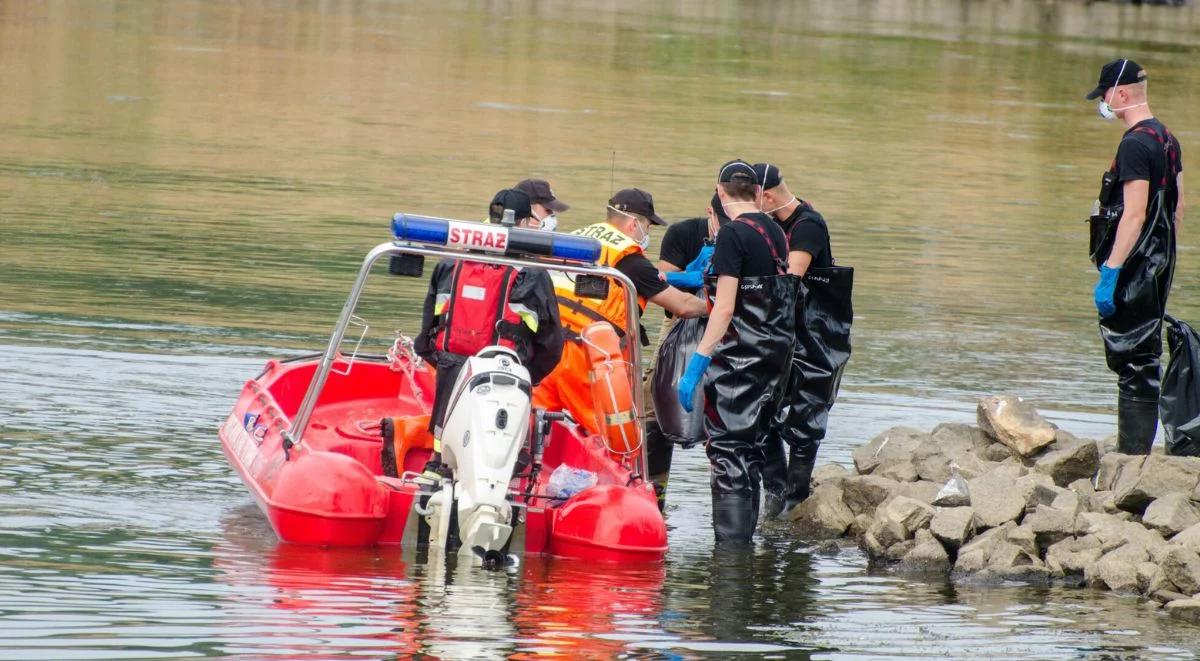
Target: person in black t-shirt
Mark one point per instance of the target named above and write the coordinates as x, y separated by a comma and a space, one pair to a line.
812, 385
748, 338
1144, 188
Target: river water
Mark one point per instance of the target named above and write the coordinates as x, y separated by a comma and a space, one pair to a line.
186, 188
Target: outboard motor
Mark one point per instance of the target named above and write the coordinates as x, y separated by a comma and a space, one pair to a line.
486, 427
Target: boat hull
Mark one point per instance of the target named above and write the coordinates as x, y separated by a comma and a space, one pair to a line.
330, 490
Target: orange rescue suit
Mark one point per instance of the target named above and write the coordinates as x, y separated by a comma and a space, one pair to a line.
568, 387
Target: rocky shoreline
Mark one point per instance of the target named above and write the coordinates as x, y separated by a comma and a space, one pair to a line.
1016, 499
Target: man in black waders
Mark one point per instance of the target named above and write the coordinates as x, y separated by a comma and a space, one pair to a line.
743, 355
471, 305
1134, 228
823, 317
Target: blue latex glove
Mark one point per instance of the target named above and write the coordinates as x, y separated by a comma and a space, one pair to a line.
685, 279
702, 261
1104, 291
691, 379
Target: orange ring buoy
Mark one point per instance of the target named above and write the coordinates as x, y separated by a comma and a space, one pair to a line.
611, 390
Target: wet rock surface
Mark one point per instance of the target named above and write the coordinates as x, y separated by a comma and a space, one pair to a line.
1039, 505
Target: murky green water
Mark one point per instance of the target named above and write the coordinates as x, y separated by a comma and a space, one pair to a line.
186, 189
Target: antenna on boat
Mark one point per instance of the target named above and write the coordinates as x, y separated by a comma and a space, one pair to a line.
612, 175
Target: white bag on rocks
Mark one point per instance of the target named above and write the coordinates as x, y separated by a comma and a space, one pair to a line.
954, 493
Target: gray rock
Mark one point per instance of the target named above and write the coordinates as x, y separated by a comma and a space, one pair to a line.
921, 490
871, 545
900, 470
1015, 423
956, 439
1117, 569
1023, 538
1017, 465
897, 443
927, 556
1159, 476
1083, 487
971, 466
830, 473
953, 526
885, 532
995, 500
1035, 572
1111, 465
1006, 555
1145, 573
996, 451
909, 513
1079, 461
1181, 566
1103, 501
1071, 556
1171, 514
1071, 502
1050, 525
1185, 609
1114, 532
1189, 538
1042, 494
931, 462
897, 551
823, 515
1152, 579
861, 523
974, 556
1167, 596
1064, 440
863, 493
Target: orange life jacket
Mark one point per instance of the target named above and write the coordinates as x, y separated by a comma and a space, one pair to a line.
578, 312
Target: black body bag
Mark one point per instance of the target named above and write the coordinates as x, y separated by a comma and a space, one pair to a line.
673, 354
1179, 404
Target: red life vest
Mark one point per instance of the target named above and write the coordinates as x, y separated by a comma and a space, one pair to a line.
478, 313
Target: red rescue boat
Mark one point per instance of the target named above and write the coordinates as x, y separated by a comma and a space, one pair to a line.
305, 434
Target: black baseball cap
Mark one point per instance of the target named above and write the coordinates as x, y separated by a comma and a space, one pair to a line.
1130, 72
509, 198
737, 170
636, 200
539, 192
768, 176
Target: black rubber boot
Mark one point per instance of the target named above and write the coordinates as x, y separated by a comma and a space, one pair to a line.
1137, 422
774, 477
659, 450
799, 482
734, 517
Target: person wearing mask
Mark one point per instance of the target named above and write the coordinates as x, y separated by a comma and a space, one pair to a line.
460, 317
624, 237
544, 204
1134, 228
747, 340
683, 259
821, 350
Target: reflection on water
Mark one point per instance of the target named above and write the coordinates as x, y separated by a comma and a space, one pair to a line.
186, 189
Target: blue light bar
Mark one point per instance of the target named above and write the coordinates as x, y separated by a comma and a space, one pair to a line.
511, 241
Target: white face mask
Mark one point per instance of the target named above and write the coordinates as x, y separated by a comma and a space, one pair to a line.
771, 211
549, 223
644, 242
